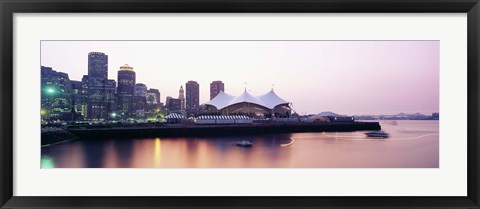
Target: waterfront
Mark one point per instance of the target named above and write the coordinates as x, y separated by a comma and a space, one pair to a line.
412, 144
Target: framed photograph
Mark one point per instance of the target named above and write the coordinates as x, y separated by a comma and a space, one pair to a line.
239, 104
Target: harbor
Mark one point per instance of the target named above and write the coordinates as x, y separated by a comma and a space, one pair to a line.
411, 144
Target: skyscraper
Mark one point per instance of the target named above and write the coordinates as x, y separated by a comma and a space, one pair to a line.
215, 88
100, 91
181, 97
192, 96
97, 65
100, 96
126, 89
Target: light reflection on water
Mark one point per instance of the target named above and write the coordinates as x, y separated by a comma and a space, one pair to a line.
411, 144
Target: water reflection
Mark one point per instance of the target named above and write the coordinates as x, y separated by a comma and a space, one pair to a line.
157, 156
411, 144
94, 153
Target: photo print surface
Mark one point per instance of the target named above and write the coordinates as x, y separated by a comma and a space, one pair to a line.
239, 104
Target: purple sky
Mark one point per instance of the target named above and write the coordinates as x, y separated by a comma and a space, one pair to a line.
346, 77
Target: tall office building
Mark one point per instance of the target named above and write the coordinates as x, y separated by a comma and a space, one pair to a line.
100, 96
192, 99
215, 88
99, 89
140, 90
126, 89
181, 97
97, 65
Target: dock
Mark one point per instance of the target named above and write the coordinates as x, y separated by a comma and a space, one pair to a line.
194, 130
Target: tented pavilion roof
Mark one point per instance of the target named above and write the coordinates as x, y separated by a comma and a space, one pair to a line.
269, 100
221, 100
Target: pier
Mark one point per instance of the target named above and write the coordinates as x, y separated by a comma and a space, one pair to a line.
193, 130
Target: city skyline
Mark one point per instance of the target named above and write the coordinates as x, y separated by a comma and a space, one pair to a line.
369, 86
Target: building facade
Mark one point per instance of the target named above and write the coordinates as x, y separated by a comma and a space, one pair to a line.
98, 65
153, 96
140, 89
138, 106
100, 97
125, 89
79, 97
153, 105
56, 100
192, 98
215, 88
172, 104
99, 89
181, 97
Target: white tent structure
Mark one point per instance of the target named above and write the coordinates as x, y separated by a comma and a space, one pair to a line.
175, 118
271, 100
247, 103
221, 100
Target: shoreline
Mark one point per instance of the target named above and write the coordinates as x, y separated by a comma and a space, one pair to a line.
52, 136
194, 130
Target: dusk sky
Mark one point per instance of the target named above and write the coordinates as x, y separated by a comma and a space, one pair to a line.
345, 77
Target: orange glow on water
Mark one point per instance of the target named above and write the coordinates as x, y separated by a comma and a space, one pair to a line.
412, 145
157, 156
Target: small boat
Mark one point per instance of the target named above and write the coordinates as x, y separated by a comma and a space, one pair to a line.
244, 143
377, 134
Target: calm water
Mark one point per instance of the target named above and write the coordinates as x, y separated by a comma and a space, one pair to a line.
412, 144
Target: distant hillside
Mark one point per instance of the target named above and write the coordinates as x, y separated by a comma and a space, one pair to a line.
327, 113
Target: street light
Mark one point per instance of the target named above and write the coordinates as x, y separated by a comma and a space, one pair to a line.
50, 90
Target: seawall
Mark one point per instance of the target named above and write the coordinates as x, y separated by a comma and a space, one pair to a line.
56, 135
183, 130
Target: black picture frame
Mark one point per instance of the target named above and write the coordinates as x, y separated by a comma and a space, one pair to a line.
9, 7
